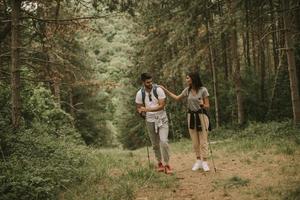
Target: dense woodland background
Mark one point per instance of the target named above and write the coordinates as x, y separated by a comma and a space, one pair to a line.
69, 71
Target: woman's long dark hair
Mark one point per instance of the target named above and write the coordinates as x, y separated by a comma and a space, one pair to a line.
196, 81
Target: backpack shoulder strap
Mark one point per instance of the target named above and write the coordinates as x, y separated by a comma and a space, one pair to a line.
155, 86
143, 94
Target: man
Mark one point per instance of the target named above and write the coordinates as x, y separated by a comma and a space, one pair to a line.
151, 101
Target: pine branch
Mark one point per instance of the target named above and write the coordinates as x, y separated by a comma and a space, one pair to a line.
69, 19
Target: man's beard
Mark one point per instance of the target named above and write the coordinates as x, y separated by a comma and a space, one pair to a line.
148, 87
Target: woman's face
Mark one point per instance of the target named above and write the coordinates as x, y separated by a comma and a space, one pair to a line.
188, 80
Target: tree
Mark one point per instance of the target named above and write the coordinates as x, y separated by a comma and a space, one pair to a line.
289, 45
236, 61
15, 63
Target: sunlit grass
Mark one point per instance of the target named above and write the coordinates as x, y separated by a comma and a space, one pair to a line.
117, 174
233, 182
120, 174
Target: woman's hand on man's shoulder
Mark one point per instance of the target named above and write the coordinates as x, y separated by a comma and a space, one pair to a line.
162, 87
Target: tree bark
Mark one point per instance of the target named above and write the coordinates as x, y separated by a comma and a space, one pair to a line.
15, 63
224, 53
56, 86
254, 52
275, 84
71, 101
248, 60
213, 68
289, 45
262, 71
237, 66
274, 38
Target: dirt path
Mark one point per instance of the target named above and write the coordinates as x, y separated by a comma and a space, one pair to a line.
240, 176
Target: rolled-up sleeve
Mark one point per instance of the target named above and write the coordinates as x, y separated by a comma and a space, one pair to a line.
138, 97
161, 94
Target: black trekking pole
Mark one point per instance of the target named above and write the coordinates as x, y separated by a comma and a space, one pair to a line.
209, 145
148, 156
143, 115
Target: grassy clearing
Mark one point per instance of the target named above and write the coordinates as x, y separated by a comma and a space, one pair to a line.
116, 175
270, 153
259, 162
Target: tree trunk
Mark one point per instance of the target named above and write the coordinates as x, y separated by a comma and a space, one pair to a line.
254, 53
71, 102
262, 71
248, 61
289, 45
237, 79
274, 38
236, 62
213, 68
224, 52
275, 84
15, 63
56, 86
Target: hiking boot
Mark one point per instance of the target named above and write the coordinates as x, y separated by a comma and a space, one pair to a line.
205, 166
197, 165
168, 169
160, 167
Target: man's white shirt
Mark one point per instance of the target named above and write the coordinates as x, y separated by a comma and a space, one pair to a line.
152, 116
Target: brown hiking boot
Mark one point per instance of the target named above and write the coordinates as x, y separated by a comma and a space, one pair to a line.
168, 169
160, 167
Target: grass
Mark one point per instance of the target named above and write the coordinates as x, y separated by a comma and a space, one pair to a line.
267, 159
232, 182
117, 175
293, 194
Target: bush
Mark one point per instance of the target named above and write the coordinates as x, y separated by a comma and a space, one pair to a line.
37, 161
41, 165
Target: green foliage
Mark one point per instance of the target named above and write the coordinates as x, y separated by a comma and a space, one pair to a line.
5, 107
132, 128
40, 165
91, 116
176, 40
261, 137
125, 175
47, 116
293, 194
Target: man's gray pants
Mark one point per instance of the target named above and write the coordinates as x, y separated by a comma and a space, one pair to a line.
159, 141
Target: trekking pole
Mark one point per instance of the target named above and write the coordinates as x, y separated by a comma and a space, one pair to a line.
148, 156
172, 126
209, 145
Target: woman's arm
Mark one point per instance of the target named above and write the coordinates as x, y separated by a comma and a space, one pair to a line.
204, 103
174, 96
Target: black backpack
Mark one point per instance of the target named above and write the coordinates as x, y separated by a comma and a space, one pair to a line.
154, 87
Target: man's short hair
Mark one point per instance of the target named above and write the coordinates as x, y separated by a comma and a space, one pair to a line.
145, 76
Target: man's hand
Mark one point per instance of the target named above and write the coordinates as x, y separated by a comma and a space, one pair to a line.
143, 109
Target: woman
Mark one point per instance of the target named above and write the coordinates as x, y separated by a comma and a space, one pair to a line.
198, 122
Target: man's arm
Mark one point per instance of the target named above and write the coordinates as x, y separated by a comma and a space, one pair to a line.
161, 106
138, 107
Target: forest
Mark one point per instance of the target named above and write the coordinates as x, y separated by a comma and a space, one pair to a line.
70, 70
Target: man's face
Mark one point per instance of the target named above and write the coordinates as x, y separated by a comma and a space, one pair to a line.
148, 83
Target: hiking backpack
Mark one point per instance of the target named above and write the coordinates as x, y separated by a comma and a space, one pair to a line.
144, 92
